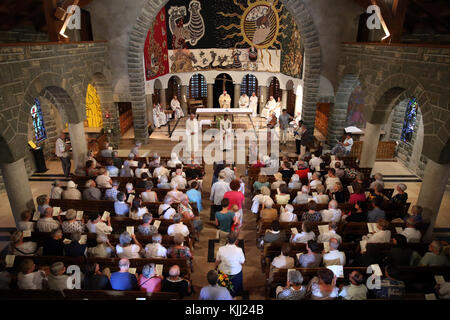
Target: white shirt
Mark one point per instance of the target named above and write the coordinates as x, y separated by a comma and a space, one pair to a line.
382, 236
129, 252
412, 235
330, 182
334, 255
331, 215
47, 224
314, 183
31, 281
26, 249
229, 174
287, 216
155, 250
58, 282
60, 148
169, 213
161, 171
218, 190
139, 171
103, 181
321, 199
26, 225
178, 228
180, 181
315, 162
99, 227
353, 292
100, 251
231, 259
303, 237
350, 144
283, 262
325, 237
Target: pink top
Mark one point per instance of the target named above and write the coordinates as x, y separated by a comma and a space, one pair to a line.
150, 285
234, 197
355, 197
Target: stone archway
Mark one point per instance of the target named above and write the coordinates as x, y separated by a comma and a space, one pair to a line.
312, 58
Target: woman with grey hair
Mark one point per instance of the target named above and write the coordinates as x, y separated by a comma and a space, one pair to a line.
126, 249
104, 248
146, 229
262, 199
295, 182
149, 281
148, 195
72, 224
57, 280
18, 247
401, 197
293, 289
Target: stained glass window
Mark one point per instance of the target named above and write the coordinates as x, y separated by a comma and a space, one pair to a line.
410, 120
249, 85
93, 108
198, 87
38, 121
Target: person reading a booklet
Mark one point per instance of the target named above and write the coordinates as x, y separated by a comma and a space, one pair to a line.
356, 290
378, 232
334, 257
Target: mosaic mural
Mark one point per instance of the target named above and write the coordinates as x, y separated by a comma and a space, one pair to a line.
355, 116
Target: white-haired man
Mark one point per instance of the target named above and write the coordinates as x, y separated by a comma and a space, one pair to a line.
332, 214
331, 233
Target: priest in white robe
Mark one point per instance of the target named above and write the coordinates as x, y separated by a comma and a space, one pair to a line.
226, 133
176, 107
160, 114
254, 103
225, 100
192, 134
244, 101
268, 108
156, 119
277, 108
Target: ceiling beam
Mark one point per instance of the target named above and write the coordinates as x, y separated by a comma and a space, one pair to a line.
436, 18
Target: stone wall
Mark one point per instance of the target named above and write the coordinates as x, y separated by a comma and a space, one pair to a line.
22, 35
57, 74
390, 73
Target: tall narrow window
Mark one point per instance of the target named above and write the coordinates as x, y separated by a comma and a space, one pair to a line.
198, 87
274, 88
38, 121
410, 120
249, 85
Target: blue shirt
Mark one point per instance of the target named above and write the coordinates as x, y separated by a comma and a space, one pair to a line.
121, 208
111, 194
123, 281
113, 171
375, 214
215, 293
195, 196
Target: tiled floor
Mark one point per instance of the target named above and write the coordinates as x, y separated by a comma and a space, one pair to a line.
253, 277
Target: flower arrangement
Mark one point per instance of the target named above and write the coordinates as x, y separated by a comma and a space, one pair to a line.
224, 281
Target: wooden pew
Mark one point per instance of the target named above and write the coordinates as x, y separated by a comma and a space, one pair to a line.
117, 295
17, 294
411, 276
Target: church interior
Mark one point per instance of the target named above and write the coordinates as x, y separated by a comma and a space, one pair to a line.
353, 91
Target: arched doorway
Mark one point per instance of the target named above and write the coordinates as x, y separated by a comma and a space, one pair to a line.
173, 88
223, 82
290, 103
157, 86
274, 88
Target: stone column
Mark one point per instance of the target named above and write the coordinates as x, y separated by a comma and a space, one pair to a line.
432, 191
78, 142
162, 98
284, 99
370, 145
149, 102
210, 100
15, 177
183, 100
262, 97
237, 95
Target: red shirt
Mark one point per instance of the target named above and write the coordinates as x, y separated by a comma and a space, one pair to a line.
235, 198
355, 197
302, 173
